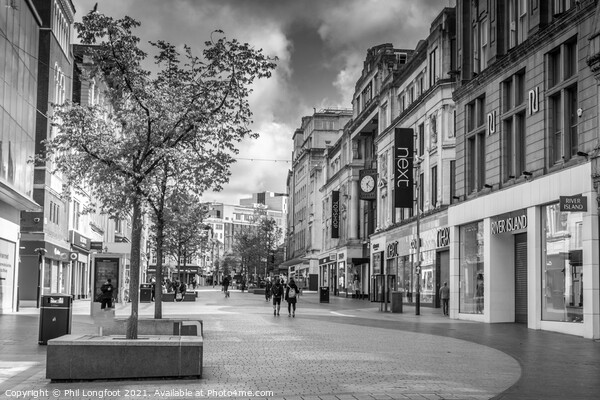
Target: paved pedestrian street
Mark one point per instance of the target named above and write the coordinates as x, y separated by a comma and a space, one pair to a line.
347, 349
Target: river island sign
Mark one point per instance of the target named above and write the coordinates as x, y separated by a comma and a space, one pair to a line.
573, 203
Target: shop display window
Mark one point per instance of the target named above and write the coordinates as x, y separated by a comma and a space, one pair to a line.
562, 263
341, 276
471, 292
428, 283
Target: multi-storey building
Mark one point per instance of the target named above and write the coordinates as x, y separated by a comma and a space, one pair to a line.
19, 38
305, 216
48, 230
274, 201
524, 236
416, 121
226, 221
351, 185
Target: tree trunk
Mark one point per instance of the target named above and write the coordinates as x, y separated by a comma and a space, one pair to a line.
134, 271
160, 227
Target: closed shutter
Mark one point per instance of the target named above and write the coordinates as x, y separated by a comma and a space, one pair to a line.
521, 278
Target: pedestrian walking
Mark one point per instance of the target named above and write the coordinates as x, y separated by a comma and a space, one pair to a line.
277, 293
107, 295
445, 296
291, 297
226, 286
268, 287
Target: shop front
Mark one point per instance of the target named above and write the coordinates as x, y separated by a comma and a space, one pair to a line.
523, 255
44, 269
328, 273
79, 276
400, 260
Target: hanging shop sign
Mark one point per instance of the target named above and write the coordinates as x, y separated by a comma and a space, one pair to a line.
509, 222
335, 214
392, 250
575, 203
403, 168
443, 237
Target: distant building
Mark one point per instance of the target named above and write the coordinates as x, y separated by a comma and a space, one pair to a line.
306, 214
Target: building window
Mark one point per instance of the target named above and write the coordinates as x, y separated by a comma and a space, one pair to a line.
432, 67
54, 212
452, 180
562, 101
562, 278
434, 188
560, 6
384, 117
517, 22
421, 139
475, 144
471, 273
513, 126
483, 44
422, 192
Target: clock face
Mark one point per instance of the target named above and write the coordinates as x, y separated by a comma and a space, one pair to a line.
367, 184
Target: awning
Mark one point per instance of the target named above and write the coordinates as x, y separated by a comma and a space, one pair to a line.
294, 261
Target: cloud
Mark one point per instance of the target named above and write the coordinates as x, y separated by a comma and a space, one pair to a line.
371, 23
321, 46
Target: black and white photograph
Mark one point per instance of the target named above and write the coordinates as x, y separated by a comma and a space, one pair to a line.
300, 199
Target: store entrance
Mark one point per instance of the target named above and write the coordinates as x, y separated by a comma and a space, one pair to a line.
521, 278
442, 273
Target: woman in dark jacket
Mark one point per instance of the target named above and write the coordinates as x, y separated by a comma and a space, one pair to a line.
291, 294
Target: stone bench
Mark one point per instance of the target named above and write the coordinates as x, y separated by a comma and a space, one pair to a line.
90, 357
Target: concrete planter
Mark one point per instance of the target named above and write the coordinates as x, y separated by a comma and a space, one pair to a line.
189, 296
151, 326
90, 357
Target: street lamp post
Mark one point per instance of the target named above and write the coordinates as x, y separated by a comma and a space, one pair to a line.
418, 263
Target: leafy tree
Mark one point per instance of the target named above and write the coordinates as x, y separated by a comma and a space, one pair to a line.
185, 234
270, 235
257, 245
189, 116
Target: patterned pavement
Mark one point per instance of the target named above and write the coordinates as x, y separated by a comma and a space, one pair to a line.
346, 349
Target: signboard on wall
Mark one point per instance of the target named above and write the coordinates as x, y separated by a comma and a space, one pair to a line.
577, 203
403, 168
335, 214
511, 222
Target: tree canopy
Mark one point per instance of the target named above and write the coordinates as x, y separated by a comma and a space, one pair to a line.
188, 117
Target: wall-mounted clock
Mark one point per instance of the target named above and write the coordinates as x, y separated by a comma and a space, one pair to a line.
367, 183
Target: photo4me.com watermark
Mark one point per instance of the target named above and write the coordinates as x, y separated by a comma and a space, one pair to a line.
124, 393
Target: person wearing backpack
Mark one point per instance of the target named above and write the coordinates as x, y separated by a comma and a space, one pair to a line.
291, 294
277, 293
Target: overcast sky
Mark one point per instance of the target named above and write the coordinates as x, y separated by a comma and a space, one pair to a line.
321, 45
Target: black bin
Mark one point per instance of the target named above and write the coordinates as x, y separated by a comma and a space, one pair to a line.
323, 294
55, 316
145, 293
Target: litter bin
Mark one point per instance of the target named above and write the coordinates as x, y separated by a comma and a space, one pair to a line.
323, 294
55, 316
145, 293
397, 302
